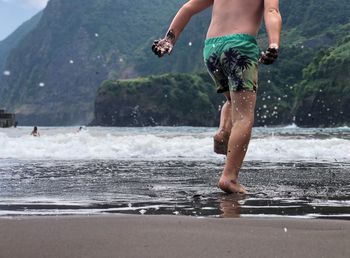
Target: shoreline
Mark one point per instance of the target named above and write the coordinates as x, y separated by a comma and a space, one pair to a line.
172, 236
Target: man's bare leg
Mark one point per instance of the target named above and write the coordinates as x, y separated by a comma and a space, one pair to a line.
243, 105
222, 135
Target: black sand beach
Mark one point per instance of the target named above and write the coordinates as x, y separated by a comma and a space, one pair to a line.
309, 190
172, 236
154, 194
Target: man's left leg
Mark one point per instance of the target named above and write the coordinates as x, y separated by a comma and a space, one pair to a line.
222, 135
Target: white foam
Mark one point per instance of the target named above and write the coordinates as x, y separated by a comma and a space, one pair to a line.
101, 143
282, 149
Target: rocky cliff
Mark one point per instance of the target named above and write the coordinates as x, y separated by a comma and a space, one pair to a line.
165, 100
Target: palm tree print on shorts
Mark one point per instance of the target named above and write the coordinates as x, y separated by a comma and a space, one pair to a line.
235, 64
215, 70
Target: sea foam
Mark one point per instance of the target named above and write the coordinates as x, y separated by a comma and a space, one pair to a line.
175, 144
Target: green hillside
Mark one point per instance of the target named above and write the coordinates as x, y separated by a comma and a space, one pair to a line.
323, 97
78, 44
308, 28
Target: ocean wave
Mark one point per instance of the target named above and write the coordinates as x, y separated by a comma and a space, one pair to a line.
86, 145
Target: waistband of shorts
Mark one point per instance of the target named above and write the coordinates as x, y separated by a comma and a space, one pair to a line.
223, 39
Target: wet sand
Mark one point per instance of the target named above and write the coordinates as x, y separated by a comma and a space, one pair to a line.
172, 236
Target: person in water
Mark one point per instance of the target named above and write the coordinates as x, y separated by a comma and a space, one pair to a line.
35, 132
232, 56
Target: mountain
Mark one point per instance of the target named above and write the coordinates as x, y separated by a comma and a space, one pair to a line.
57, 70
76, 45
11, 42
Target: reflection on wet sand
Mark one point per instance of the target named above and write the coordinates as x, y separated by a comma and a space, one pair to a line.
230, 206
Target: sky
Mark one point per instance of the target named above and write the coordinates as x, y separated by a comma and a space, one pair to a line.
14, 12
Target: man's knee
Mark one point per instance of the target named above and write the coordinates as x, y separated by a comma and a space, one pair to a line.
244, 122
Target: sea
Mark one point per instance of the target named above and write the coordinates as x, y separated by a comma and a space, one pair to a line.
288, 171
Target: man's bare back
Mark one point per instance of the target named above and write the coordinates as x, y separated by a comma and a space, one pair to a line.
235, 16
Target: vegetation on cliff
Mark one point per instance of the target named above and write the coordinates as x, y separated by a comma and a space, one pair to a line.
323, 96
171, 99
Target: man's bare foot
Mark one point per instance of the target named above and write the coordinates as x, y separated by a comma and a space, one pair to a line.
221, 141
231, 186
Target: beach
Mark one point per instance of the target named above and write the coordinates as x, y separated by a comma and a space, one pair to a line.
289, 171
171, 236
151, 192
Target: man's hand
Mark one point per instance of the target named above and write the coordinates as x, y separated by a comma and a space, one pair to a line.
270, 55
161, 47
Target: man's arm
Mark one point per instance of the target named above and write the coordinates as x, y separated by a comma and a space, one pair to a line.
273, 23
165, 45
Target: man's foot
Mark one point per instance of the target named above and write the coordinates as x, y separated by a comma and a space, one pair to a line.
221, 141
231, 186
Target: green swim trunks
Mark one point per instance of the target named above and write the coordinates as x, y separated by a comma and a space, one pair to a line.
232, 62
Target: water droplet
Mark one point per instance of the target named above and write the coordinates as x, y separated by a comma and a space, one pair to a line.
41, 84
121, 60
269, 81
190, 44
96, 35
7, 73
71, 61
285, 230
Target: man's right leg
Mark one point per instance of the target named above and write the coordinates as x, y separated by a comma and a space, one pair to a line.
243, 105
222, 135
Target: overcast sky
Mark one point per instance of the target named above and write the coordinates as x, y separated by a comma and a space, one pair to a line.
14, 12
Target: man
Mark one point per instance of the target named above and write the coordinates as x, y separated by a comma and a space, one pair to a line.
231, 55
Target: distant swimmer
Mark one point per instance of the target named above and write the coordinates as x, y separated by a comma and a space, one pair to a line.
35, 132
232, 56
79, 130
